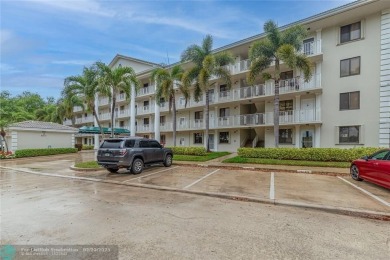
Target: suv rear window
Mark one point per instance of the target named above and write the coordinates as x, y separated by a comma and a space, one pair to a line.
129, 143
111, 144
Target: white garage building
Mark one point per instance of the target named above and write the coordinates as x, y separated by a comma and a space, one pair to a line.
37, 134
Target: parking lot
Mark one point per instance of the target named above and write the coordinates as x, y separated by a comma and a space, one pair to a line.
286, 188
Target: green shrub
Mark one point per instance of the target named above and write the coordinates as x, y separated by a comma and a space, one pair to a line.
87, 147
186, 150
41, 152
308, 154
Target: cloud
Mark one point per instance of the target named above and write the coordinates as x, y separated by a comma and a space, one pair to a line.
8, 69
80, 6
73, 62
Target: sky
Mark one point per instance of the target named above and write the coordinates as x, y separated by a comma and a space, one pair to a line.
44, 41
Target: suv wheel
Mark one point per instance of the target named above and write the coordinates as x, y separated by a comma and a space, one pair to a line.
112, 170
137, 166
168, 160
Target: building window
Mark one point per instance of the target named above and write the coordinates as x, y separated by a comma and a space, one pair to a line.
146, 121
198, 138
286, 105
162, 120
162, 139
349, 134
350, 100
181, 142
286, 75
198, 115
350, 32
224, 138
224, 112
285, 136
121, 123
350, 67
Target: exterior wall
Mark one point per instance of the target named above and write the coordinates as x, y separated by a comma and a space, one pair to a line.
35, 139
367, 83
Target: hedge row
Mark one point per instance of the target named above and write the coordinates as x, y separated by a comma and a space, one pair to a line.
41, 152
307, 154
185, 150
87, 147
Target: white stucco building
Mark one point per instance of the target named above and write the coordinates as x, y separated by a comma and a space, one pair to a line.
37, 134
345, 104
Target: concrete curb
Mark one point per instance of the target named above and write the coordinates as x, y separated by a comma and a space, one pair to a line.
336, 210
78, 169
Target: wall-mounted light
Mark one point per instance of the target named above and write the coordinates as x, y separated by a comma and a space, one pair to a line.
43, 133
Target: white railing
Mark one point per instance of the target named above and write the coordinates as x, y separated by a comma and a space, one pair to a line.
145, 109
250, 119
166, 126
103, 101
67, 122
295, 116
77, 109
145, 90
121, 97
123, 113
198, 124
145, 128
164, 106
104, 116
311, 48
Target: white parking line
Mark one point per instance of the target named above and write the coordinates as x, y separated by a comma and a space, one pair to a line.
272, 187
366, 192
52, 175
151, 174
204, 177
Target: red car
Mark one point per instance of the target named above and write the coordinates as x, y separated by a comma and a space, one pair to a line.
374, 168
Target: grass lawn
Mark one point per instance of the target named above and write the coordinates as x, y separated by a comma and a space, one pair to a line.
239, 159
198, 158
90, 164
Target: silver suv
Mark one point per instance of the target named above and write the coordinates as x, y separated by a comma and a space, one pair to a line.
132, 153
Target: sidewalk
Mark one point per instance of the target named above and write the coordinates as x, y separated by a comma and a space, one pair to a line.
265, 167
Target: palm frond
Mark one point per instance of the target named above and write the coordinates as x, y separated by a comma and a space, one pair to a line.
207, 44
273, 34
294, 36
223, 58
304, 64
262, 48
258, 66
287, 54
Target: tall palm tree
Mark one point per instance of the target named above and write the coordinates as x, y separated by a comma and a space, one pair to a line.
114, 80
166, 82
207, 67
66, 104
278, 46
85, 87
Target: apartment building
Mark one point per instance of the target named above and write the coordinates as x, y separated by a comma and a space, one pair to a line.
345, 104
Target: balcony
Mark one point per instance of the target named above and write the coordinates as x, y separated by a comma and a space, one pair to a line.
147, 128
103, 101
104, 116
311, 48
67, 122
122, 113
77, 109
145, 91
121, 97
84, 120
145, 110
166, 127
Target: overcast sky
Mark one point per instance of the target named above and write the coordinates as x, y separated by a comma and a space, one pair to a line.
44, 41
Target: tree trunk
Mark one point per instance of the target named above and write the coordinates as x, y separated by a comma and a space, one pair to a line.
113, 114
3, 134
98, 122
207, 121
174, 120
276, 104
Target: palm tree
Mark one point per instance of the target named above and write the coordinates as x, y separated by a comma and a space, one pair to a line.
166, 82
207, 67
66, 104
114, 80
85, 87
278, 46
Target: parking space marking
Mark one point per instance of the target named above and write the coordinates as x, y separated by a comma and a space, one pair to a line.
204, 177
366, 192
140, 177
272, 187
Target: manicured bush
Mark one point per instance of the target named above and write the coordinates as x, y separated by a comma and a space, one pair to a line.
186, 150
41, 152
308, 154
87, 147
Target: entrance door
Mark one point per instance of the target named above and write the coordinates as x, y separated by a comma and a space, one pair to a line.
211, 141
307, 113
307, 138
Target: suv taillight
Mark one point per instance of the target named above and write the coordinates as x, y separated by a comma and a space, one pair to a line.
122, 152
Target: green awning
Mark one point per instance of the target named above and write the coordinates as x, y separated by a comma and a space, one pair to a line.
106, 130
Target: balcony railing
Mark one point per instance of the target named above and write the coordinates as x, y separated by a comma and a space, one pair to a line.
145, 109
145, 128
121, 97
123, 113
104, 116
145, 91
77, 109
83, 120
165, 126
311, 48
103, 101
67, 122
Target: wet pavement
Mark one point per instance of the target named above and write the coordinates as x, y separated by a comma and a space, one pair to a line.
338, 193
40, 209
